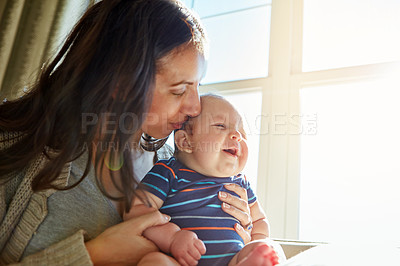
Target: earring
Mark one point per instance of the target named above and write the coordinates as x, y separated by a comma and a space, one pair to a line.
148, 143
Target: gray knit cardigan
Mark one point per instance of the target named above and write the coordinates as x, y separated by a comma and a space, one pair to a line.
22, 211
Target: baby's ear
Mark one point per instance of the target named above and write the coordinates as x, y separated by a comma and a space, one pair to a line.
182, 141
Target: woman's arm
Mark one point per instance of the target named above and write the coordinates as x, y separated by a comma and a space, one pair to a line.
124, 243
260, 224
169, 238
260, 229
119, 244
161, 235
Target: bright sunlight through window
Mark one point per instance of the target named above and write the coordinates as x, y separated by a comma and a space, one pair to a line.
345, 33
350, 167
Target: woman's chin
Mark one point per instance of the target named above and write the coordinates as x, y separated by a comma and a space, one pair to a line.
157, 135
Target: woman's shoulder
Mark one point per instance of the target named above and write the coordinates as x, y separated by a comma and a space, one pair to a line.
9, 138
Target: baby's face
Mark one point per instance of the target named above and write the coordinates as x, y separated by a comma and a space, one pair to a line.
218, 139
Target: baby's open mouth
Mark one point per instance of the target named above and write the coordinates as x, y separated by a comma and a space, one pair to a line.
234, 152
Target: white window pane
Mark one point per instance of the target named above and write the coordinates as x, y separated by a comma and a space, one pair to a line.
206, 8
345, 33
187, 3
248, 105
239, 45
350, 171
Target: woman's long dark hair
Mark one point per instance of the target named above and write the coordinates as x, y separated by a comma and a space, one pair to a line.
106, 66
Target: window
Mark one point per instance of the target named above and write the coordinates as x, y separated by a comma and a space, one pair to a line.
239, 38
238, 45
345, 33
326, 74
349, 168
238, 60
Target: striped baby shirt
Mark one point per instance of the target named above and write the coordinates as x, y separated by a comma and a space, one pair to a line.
191, 199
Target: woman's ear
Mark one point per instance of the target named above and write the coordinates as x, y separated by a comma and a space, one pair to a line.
182, 141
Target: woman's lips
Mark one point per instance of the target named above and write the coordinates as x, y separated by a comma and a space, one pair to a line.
177, 125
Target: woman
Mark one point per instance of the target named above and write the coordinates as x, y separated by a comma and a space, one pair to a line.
66, 171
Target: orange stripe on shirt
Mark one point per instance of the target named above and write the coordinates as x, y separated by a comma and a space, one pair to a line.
208, 228
167, 168
187, 170
192, 189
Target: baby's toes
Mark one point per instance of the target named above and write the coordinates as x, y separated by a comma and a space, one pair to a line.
267, 253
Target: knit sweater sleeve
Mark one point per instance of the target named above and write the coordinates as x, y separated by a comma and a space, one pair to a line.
70, 251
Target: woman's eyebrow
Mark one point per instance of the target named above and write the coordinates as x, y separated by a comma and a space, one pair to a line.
182, 82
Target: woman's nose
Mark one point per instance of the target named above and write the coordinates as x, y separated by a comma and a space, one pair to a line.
192, 105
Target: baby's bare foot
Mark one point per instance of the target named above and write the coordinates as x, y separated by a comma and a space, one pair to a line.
262, 255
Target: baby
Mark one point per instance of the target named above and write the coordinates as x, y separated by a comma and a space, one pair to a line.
211, 152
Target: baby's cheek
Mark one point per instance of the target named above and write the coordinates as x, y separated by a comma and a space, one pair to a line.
242, 164
244, 156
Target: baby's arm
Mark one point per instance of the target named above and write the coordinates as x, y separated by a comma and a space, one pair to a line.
261, 229
260, 223
182, 244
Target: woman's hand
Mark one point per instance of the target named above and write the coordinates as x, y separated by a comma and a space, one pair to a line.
123, 243
238, 207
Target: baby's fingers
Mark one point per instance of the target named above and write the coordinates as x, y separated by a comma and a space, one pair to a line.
194, 257
200, 246
187, 259
197, 250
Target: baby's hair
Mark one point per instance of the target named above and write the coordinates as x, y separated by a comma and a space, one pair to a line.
212, 95
188, 125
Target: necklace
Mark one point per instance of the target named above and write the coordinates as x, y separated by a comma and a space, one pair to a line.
148, 143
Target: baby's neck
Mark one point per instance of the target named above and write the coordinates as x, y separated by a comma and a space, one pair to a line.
190, 162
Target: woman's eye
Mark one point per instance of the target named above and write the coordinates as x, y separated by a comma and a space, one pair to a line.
220, 125
178, 93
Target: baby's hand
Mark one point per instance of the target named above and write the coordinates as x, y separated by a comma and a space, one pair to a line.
187, 248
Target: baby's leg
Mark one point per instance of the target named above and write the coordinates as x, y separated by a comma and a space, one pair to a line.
257, 253
157, 258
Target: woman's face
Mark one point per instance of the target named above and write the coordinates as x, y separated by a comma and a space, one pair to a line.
176, 95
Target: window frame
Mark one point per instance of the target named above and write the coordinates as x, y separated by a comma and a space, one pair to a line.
278, 181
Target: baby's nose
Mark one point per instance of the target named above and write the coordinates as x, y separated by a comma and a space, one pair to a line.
236, 135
